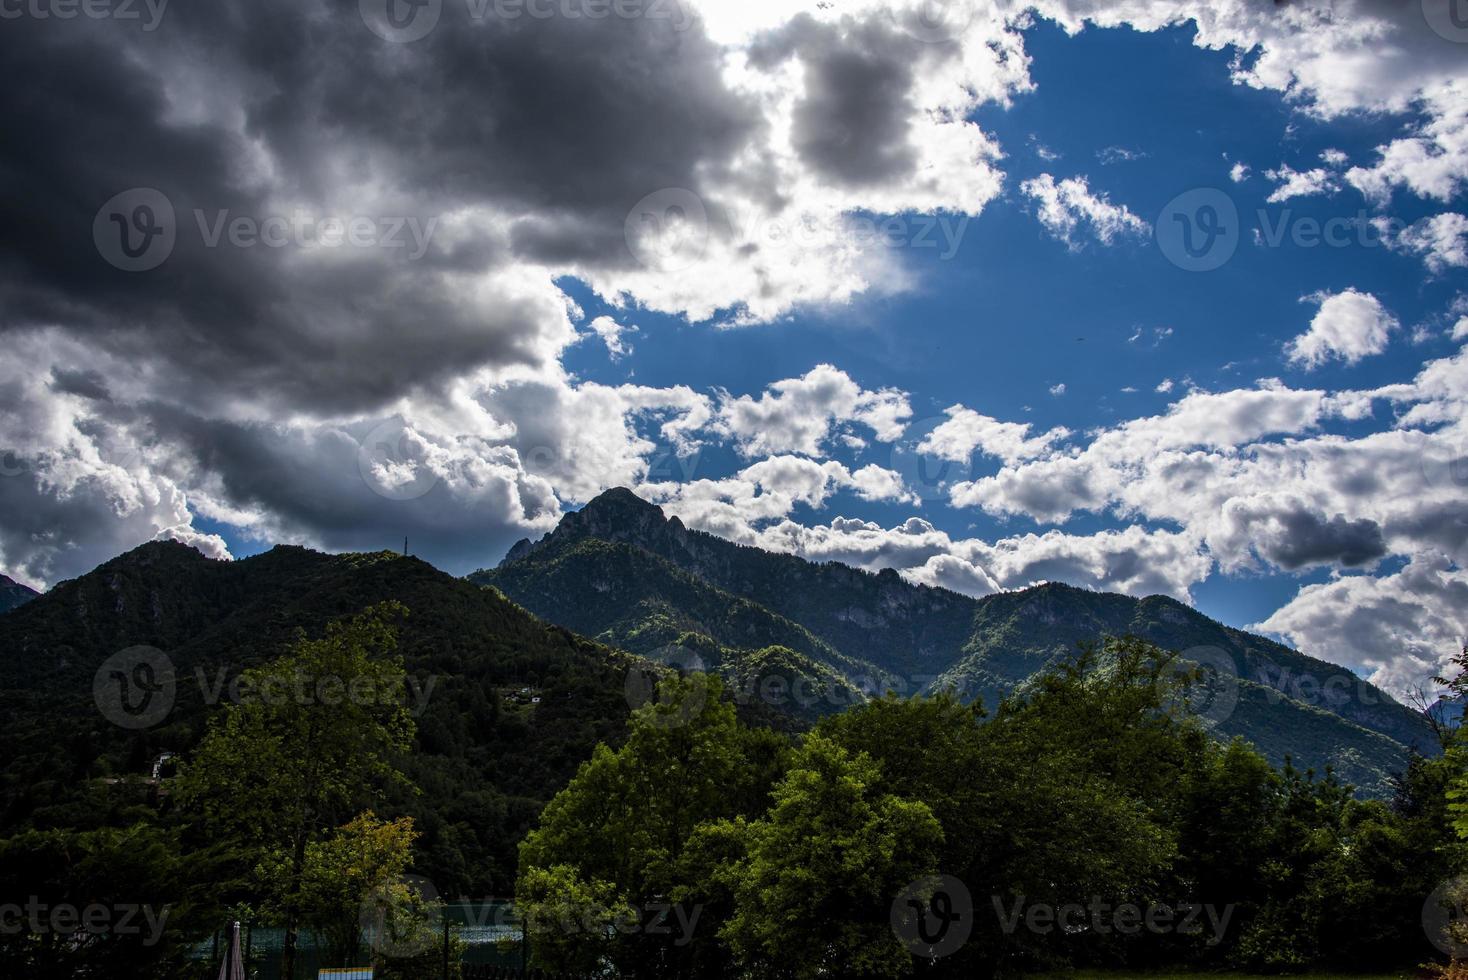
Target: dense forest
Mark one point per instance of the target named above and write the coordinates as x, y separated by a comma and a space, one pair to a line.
1087, 822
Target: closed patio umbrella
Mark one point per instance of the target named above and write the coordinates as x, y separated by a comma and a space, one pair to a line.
233, 967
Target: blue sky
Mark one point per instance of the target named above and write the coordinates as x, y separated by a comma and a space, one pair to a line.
1017, 312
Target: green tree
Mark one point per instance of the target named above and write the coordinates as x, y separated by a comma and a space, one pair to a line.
615, 842
343, 874
815, 891
315, 736
1027, 817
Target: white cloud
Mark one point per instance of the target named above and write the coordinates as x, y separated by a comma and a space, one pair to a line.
1239, 173
1066, 206
737, 507
1349, 326
1112, 155
1041, 150
877, 483
1293, 183
1433, 163
1441, 241
209, 545
612, 333
800, 414
1400, 629
1058, 389
966, 431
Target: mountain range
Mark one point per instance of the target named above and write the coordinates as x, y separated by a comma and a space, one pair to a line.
519, 672
622, 572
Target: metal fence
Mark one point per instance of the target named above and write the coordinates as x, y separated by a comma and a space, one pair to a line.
494, 946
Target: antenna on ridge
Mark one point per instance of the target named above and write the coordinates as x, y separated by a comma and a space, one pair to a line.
405, 547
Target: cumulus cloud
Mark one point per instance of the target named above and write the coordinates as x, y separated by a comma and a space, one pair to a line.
1433, 162
1064, 208
966, 431
1349, 326
1400, 628
801, 414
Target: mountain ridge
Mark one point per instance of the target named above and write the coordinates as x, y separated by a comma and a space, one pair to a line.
13, 595
935, 638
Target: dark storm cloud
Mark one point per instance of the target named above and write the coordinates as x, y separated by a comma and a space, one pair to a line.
251, 109
312, 485
87, 384
853, 123
1305, 539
